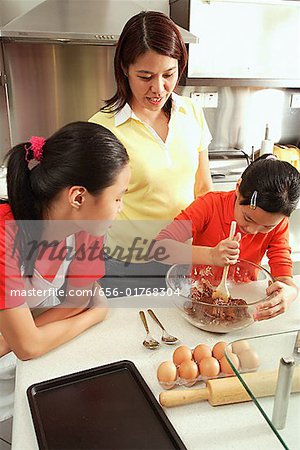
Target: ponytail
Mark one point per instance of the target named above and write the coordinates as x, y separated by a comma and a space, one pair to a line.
20, 195
22, 203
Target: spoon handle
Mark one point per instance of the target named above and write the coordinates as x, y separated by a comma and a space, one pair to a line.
232, 229
151, 313
143, 319
231, 236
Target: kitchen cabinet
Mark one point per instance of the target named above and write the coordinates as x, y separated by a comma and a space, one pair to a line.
254, 41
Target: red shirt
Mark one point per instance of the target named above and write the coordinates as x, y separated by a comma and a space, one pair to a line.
86, 266
207, 220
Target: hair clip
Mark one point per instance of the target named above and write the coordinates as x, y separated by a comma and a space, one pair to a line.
271, 156
34, 152
253, 200
267, 156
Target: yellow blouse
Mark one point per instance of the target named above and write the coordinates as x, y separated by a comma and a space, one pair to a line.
163, 173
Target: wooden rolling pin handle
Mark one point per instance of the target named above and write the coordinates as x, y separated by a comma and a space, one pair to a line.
183, 397
225, 391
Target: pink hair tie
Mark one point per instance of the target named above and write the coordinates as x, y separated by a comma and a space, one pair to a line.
34, 152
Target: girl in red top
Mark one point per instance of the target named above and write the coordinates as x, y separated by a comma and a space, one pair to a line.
63, 191
265, 197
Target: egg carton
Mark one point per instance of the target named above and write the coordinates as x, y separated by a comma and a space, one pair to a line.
189, 383
200, 379
245, 364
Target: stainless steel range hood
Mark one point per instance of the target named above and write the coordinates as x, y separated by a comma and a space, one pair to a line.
82, 21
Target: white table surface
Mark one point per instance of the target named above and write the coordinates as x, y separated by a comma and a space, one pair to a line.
120, 336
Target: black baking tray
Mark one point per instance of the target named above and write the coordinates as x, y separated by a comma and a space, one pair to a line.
107, 407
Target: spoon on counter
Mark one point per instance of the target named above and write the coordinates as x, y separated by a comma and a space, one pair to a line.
149, 342
166, 337
222, 290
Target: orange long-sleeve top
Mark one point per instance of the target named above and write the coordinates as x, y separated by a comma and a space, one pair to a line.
207, 221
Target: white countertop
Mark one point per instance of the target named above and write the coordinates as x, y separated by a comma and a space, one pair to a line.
238, 426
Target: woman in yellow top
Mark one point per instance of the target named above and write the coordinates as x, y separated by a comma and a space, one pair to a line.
166, 137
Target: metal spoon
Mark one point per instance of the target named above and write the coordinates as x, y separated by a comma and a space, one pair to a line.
149, 341
166, 337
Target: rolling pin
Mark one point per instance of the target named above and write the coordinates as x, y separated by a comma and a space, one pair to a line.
224, 391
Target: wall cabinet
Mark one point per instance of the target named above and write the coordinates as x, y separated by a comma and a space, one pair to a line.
243, 40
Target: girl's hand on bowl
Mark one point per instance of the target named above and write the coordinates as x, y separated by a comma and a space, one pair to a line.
227, 251
284, 294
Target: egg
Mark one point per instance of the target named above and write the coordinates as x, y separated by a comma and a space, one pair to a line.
188, 371
182, 353
167, 374
226, 367
239, 346
218, 349
209, 367
201, 351
249, 359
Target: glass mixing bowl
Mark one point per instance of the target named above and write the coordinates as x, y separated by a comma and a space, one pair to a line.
192, 286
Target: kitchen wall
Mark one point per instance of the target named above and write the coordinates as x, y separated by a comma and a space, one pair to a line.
242, 113
9, 9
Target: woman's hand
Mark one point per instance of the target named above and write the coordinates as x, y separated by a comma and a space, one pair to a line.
283, 295
226, 252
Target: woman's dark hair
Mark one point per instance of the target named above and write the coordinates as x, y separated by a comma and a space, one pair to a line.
148, 30
81, 153
277, 184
